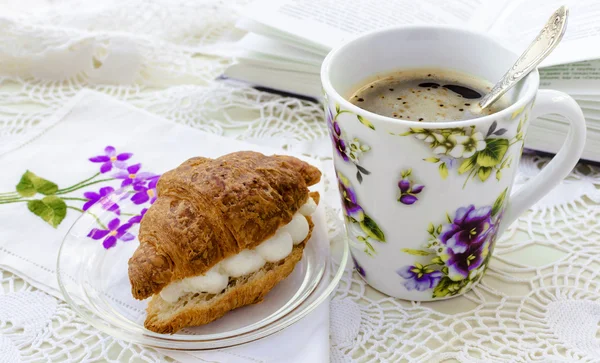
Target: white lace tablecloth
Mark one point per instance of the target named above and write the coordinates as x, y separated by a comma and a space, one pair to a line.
539, 301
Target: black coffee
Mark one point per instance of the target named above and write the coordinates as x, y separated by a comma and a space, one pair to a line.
426, 95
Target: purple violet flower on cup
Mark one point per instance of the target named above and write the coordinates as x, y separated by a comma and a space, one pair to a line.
359, 269
349, 201
132, 175
102, 197
336, 136
408, 192
110, 159
419, 277
466, 240
115, 231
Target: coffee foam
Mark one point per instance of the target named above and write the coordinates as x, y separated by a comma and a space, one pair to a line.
426, 95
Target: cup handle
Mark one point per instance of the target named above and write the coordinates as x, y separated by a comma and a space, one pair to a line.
551, 102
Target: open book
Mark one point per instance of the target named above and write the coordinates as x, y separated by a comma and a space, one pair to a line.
287, 41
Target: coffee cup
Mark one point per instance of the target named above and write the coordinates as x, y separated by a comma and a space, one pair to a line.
425, 202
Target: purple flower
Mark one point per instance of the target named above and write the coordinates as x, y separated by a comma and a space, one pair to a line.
408, 192
145, 193
111, 158
404, 185
103, 198
408, 199
417, 189
349, 201
451, 163
358, 267
336, 136
131, 176
338, 143
138, 218
466, 240
419, 277
114, 232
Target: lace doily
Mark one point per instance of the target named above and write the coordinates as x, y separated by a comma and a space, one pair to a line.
163, 56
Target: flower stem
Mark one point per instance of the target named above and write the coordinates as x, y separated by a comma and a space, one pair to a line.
74, 188
72, 198
8, 194
12, 197
90, 213
339, 113
469, 177
81, 182
12, 201
128, 214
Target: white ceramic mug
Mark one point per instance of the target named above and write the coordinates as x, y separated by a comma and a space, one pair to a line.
425, 201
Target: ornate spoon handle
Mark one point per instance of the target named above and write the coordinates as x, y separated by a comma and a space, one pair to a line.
537, 51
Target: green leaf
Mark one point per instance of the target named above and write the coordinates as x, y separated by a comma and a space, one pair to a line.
484, 173
437, 261
443, 170
369, 246
468, 164
337, 108
445, 270
30, 184
448, 218
439, 229
432, 160
517, 112
365, 122
499, 203
498, 175
416, 252
372, 229
493, 153
443, 287
431, 228
447, 287
52, 209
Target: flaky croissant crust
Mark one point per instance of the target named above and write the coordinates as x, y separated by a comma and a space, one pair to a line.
209, 209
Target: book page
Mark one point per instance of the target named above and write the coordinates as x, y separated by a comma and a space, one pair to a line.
326, 23
259, 59
581, 78
278, 49
592, 105
522, 20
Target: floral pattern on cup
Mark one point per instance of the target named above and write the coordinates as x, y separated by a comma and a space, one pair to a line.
365, 228
457, 251
349, 149
469, 150
408, 188
358, 267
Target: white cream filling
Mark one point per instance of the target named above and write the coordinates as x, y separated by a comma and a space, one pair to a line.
297, 228
243, 263
274, 249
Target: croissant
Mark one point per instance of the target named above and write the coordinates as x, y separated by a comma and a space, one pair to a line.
221, 234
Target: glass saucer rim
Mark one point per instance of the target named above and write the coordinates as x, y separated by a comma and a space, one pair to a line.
164, 341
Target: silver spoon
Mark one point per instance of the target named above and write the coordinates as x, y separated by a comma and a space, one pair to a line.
537, 51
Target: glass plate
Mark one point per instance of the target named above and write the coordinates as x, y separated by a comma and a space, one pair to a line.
95, 283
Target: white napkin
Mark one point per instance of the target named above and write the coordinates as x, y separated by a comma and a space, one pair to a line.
31, 233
